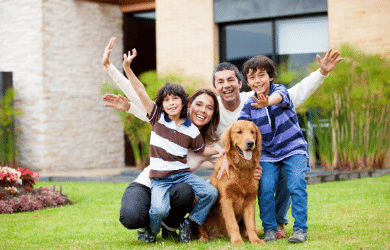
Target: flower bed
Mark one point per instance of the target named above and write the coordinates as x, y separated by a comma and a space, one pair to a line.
17, 193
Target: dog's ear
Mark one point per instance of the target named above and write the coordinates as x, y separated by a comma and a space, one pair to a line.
226, 139
258, 140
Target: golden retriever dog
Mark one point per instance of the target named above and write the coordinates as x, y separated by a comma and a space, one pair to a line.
233, 215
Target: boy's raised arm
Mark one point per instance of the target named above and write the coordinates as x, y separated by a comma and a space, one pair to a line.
137, 85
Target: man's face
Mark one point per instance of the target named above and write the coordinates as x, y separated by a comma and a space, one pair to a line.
227, 85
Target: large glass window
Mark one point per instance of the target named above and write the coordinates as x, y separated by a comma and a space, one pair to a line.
294, 41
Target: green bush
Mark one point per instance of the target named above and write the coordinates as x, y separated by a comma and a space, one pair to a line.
137, 130
8, 145
354, 102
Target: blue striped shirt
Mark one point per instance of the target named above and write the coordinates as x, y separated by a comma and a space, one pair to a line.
278, 125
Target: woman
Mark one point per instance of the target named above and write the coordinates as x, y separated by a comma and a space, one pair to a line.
135, 204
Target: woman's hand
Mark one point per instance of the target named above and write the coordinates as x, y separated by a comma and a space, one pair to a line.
107, 52
224, 168
118, 102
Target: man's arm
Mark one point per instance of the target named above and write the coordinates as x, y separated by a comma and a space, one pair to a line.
305, 88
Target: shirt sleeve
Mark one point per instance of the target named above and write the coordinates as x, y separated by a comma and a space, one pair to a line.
124, 84
286, 102
197, 144
245, 113
305, 88
154, 115
137, 112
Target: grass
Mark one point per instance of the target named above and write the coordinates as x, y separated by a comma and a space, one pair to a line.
342, 215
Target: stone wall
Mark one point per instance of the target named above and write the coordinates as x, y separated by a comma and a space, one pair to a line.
187, 38
54, 49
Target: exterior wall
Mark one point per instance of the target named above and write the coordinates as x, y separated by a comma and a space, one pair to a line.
363, 23
54, 49
187, 38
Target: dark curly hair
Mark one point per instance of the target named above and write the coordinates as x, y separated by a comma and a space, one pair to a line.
173, 89
259, 62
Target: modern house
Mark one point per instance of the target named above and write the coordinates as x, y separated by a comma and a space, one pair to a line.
54, 50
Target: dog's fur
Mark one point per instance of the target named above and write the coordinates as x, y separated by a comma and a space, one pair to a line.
234, 210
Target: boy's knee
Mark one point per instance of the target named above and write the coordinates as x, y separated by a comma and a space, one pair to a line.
160, 211
213, 193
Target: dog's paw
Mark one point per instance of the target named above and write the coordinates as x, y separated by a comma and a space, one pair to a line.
203, 239
257, 241
237, 241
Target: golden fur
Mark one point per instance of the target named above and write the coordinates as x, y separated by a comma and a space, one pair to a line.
234, 210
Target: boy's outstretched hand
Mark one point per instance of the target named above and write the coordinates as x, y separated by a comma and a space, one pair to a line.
107, 52
329, 62
127, 59
116, 101
261, 101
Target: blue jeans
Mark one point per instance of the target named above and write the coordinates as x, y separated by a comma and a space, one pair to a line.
295, 167
282, 198
160, 204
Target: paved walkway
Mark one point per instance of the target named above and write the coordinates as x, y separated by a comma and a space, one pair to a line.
127, 175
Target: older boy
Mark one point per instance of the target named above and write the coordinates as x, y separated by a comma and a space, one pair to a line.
283, 145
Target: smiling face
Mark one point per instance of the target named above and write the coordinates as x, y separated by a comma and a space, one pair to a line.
227, 85
259, 81
202, 110
172, 105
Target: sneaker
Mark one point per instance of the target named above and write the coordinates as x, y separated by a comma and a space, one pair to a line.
281, 233
298, 237
270, 235
147, 235
185, 231
169, 235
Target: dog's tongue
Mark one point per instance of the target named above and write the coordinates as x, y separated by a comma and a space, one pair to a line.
247, 154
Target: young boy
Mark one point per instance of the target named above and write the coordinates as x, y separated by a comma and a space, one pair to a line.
172, 135
283, 145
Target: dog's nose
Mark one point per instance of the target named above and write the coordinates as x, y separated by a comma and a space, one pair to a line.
250, 144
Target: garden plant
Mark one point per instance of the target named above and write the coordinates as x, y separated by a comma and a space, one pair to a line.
350, 113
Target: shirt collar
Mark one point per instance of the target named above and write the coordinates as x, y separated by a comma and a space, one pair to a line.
186, 123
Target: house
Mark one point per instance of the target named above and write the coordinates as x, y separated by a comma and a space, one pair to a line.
54, 49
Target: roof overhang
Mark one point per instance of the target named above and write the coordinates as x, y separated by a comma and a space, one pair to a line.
130, 5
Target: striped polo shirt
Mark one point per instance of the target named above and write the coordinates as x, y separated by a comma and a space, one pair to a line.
169, 144
278, 125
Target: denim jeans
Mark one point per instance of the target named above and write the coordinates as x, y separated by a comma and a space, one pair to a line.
160, 204
295, 167
282, 198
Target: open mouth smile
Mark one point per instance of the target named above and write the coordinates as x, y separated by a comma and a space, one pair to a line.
247, 154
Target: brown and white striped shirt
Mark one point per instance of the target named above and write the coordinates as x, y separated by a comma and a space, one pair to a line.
169, 144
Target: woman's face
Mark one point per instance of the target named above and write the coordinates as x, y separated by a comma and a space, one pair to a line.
201, 110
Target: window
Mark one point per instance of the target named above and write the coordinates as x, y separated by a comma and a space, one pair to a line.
294, 41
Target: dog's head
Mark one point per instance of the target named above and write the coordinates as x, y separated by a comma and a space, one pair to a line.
244, 138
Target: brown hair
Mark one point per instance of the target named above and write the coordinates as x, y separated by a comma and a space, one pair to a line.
259, 62
173, 89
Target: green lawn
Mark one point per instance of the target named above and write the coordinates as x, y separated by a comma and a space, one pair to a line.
342, 215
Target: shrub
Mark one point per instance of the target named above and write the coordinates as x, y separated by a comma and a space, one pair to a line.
353, 104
